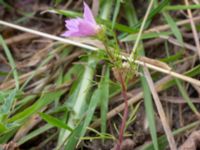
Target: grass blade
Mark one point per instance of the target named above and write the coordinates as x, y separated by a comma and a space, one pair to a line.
5, 109
162, 115
116, 12
11, 61
104, 100
44, 100
173, 27
79, 98
54, 121
181, 7
186, 97
34, 134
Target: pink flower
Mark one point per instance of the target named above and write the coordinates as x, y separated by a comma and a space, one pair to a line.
85, 26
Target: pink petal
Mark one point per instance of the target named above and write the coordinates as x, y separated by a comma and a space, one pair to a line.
81, 27
87, 28
67, 33
87, 15
72, 34
72, 24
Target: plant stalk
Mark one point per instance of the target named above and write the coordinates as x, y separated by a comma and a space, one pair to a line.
125, 114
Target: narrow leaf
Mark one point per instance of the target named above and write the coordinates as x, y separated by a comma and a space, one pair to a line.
54, 121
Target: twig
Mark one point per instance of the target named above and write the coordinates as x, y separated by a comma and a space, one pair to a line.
193, 29
174, 74
161, 112
166, 27
68, 41
19, 38
177, 43
27, 126
178, 100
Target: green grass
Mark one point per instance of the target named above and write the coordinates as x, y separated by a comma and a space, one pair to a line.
11, 61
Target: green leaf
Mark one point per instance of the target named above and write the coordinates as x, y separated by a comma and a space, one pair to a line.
34, 133
6, 5
116, 12
68, 13
172, 58
104, 86
153, 13
58, 1
106, 9
7, 105
79, 97
149, 110
8, 135
158, 9
90, 111
173, 27
3, 128
54, 121
144, 36
186, 97
11, 61
73, 138
99, 94
3, 73
45, 99
2, 96
181, 7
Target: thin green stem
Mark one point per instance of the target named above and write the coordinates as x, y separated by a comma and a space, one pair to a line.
141, 30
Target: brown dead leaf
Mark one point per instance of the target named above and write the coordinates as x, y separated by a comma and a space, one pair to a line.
127, 144
34, 120
36, 58
10, 146
192, 142
155, 62
20, 38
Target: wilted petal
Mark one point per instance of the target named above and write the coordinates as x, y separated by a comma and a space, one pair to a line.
87, 15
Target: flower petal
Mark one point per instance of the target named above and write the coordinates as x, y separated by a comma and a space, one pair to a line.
87, 28
72, 24
87, 15
71, 34
79, 27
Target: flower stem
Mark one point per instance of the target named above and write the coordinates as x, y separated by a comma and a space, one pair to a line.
125, 115
121, 79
